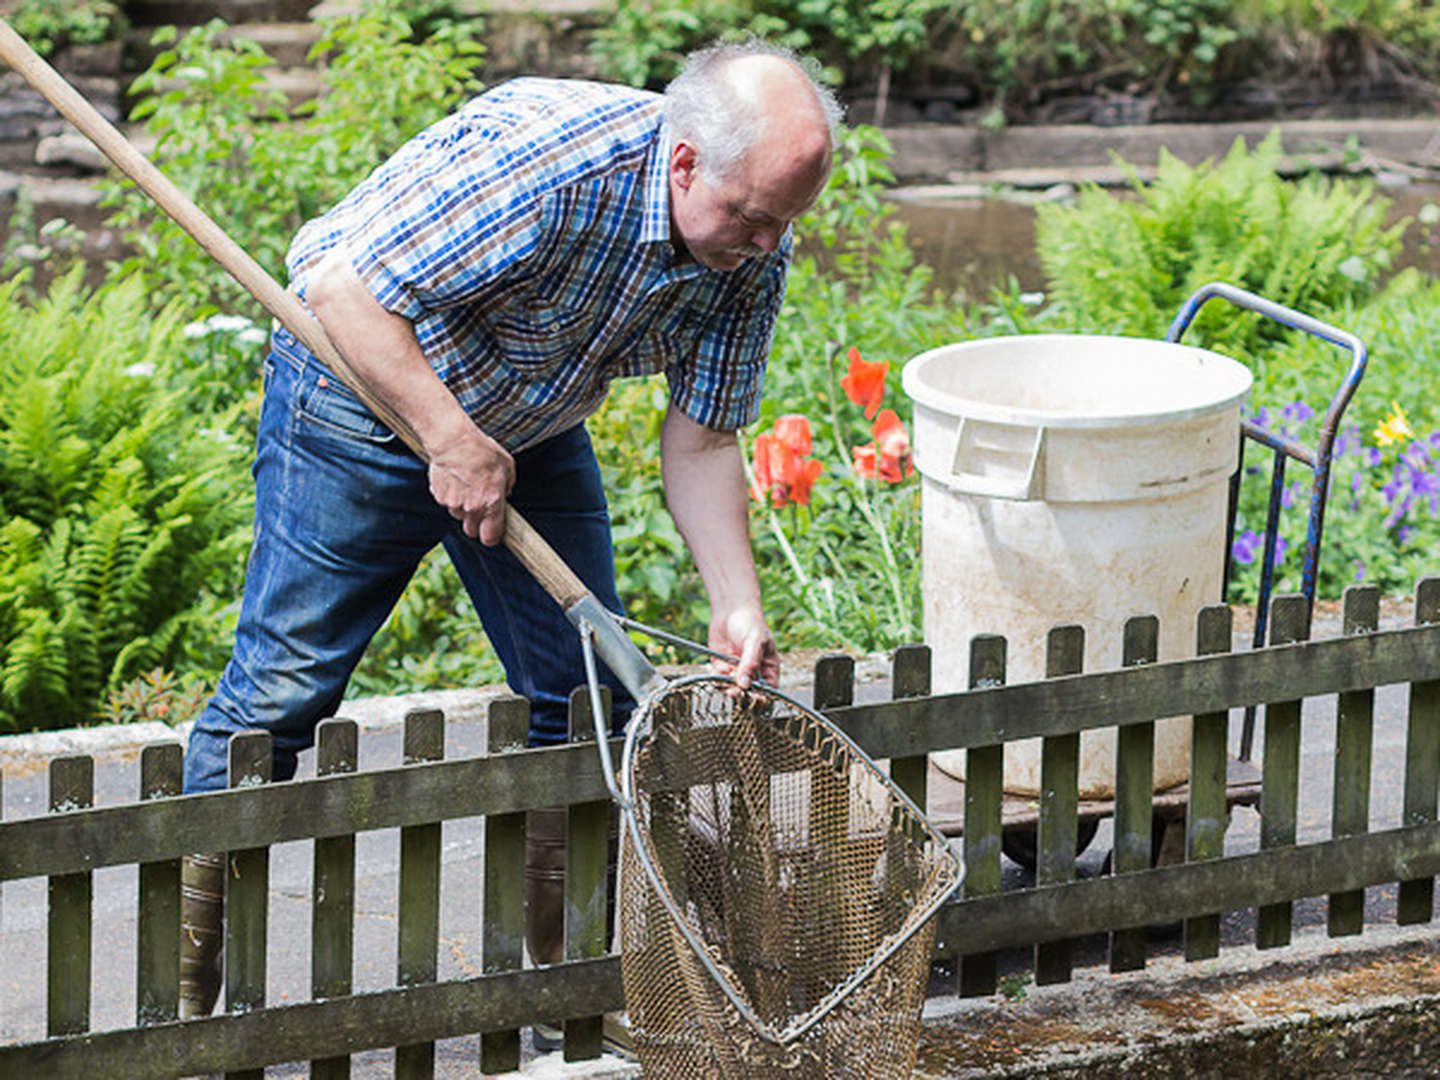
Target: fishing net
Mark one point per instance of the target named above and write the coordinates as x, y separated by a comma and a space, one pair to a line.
776, 893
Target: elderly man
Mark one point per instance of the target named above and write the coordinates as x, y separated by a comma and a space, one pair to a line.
489, 281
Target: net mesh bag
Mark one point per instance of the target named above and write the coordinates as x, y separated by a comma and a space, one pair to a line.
776, 893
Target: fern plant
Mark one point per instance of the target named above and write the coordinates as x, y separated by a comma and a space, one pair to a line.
123, 511
1125, 265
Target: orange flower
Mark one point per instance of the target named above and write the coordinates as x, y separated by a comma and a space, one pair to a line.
893, 445
793, 430
806, 473
865, 383
864, 460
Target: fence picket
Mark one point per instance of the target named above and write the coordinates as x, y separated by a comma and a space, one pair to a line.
419, 916
587, 847
1354, 737
1422, 763
1134, 792
502, 914
72, 787
984, 792
1057, 833
1206, 813
1280, 769
834, 689
910, 678
247, 894
157, 953
332, 919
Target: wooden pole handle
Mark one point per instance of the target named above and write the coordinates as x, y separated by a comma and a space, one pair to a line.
520, 536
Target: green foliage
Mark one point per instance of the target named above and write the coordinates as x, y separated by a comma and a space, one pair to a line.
123, 512
1125, 266
647, 39
159, 696
227, 139
50, 25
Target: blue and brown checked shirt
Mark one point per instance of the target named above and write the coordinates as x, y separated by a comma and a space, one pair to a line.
527, 237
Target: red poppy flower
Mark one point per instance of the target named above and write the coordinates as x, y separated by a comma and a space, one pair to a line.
892, 443
865, 383
864, 460
793, 430
806, 473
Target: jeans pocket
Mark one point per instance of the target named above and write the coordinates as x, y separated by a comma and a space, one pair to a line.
329, 407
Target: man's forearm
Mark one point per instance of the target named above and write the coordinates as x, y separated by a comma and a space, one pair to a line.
470, 473
706, 492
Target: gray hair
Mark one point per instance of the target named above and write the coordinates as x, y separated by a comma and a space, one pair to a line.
701, 104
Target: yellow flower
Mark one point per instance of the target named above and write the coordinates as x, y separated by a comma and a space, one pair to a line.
1395, 427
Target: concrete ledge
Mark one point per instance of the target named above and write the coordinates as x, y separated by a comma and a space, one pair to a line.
1362, 1006
939, 151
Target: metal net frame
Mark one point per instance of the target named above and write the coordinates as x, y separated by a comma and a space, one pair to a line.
776, 892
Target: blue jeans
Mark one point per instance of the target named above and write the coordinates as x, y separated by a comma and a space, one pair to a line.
343, 515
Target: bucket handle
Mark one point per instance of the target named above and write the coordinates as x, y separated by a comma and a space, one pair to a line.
1020, 485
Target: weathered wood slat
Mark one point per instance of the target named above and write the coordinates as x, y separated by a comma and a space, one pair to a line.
1057, 832
1206, 814
332, 919
1093, 905
1416, 900
247, 894
586, 839
418, 930
388, 798
1280, 795
67, 998
984, 784
910, 678
326, 1028
1134, 791
502, 915
157, 953
1354, 737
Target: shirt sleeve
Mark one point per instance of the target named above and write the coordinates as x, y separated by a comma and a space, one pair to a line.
450, 216
717, 375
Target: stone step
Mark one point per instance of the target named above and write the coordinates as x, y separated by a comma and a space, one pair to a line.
196, 12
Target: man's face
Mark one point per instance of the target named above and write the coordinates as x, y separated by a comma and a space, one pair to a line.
722, 221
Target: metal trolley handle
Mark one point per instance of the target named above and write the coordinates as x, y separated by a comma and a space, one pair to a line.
1317, 458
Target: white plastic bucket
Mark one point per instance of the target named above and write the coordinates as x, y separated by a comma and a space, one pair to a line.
1072, 479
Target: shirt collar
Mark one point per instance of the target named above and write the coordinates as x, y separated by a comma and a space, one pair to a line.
656, 226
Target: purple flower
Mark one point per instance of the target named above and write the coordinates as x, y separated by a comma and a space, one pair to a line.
1356, 481
1261, 417
1287, 497
1403, 533
1371, 455
1425, 483
1346, 441
1246, 547
1359, 569
1297, 411
1281, 546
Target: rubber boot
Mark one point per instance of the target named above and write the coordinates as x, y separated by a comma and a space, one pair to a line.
202, 908
545, 832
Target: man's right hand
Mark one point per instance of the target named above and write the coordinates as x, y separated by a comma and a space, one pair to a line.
471, 477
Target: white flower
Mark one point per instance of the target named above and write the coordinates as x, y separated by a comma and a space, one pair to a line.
252, 335
1032, 299
194, 330
141, 370
189, 73
227, 324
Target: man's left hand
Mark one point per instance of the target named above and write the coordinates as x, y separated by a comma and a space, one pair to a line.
743, 632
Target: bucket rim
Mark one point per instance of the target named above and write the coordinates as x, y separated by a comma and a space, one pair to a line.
954, 404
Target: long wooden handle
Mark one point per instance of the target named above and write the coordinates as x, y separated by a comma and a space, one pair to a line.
520, 536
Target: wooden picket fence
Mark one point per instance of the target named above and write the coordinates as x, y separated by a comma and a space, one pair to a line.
75, 839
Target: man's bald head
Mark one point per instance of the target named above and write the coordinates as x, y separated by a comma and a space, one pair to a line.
734, 98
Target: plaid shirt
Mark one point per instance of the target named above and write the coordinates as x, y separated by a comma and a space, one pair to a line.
527, 237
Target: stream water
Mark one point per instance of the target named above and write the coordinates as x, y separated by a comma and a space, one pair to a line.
973, 244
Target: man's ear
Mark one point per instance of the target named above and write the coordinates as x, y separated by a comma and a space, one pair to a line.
683, 164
